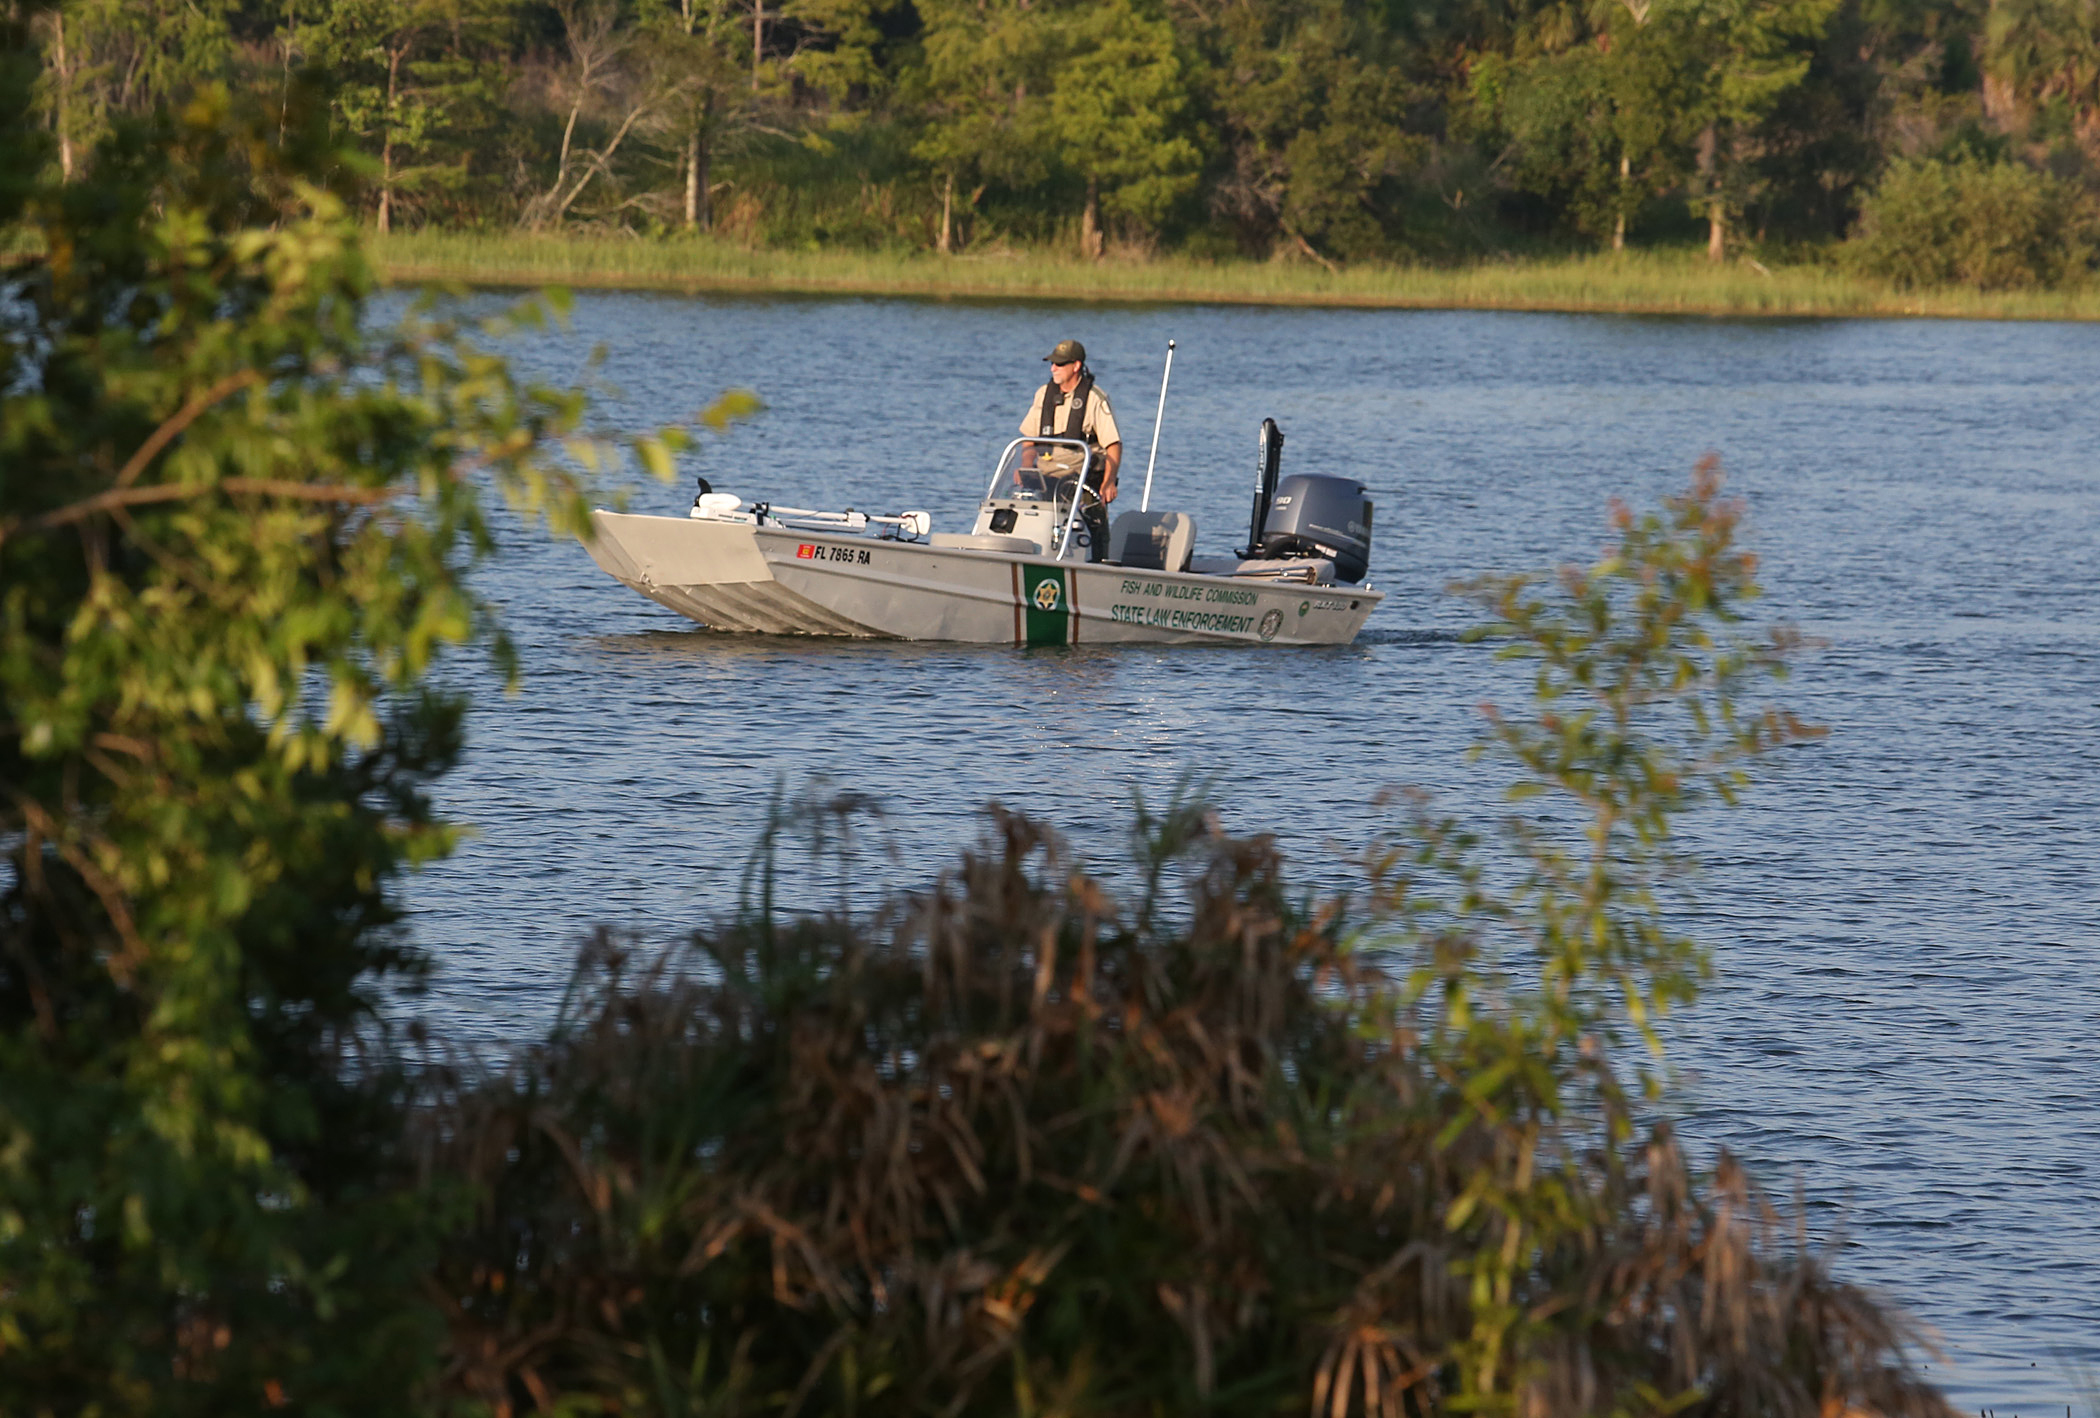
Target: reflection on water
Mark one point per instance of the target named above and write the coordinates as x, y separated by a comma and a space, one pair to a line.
1904, 918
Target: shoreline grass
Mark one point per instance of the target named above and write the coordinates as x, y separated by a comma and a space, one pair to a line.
1629, 283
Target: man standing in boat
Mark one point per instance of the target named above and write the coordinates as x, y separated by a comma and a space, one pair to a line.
1070, 406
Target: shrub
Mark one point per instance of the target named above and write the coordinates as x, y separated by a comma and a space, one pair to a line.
1993, 225
1016, 1144
234, 536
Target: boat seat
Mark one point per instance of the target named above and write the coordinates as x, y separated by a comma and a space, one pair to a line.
985, 541
1152, 541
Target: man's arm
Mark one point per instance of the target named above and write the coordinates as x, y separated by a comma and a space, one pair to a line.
1029, 424
1101, 425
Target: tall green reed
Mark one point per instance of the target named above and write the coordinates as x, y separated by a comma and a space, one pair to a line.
1658, 282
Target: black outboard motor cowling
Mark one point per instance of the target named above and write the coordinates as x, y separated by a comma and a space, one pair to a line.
1321, 516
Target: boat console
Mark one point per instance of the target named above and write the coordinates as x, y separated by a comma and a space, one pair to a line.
1033, 499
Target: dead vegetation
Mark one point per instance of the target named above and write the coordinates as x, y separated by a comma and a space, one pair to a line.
1022, 1142
1014, 1145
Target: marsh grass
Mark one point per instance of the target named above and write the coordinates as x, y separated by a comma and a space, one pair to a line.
1639, 283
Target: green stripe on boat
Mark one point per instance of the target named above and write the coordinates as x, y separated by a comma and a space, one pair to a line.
1046, 596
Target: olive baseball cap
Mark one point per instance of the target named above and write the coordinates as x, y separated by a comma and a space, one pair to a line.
1067, 352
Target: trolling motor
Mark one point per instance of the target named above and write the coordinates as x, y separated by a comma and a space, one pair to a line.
712, 506
1268, 463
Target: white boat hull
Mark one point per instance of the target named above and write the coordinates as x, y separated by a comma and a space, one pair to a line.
779, 581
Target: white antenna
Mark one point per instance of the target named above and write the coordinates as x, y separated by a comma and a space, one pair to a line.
1145, 503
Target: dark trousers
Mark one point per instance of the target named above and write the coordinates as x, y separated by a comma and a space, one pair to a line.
1094, 519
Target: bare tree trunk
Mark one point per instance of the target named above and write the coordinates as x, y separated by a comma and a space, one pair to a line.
1618, 230
568, 134
758, 39
947, 241
1090, 243
284, 82
707, 202
706, 151
600, 161
386, 147
692, 178
1709, 170
65, 84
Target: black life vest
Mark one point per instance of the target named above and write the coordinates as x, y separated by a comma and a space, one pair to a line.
1075, 416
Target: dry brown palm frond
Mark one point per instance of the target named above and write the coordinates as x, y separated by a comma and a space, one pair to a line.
1014, 1142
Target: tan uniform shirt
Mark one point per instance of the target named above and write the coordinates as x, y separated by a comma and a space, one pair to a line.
1098, 423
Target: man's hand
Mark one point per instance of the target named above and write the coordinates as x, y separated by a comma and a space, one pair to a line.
1112, 459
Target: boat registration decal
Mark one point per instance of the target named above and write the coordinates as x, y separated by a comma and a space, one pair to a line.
1046, 601
852, 556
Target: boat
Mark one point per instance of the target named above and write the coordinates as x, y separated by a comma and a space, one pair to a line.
1025, 574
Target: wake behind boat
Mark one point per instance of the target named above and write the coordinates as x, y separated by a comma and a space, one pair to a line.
1025, 574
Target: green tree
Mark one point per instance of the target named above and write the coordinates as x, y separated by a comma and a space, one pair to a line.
1118, 115
981, 94
1555, 113
409, 83
1596, 125
2048, 51
1991, 225
1746, 55
1545, 981
695, 51
1021, 94
846, 55
108, 59
235, 529
1309, 99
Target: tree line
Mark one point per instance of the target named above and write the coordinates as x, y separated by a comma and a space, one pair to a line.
1330, 130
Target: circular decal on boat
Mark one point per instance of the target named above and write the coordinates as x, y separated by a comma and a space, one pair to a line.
1270, 624
1046, 595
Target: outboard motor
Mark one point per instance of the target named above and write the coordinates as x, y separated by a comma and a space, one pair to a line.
1266, 465
1311, 515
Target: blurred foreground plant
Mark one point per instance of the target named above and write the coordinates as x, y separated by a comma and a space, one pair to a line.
235, 526
1014, 1145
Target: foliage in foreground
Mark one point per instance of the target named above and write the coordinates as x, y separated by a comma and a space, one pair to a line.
235, 527
1020, 1143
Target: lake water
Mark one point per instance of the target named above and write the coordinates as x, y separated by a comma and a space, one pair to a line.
1904, 918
